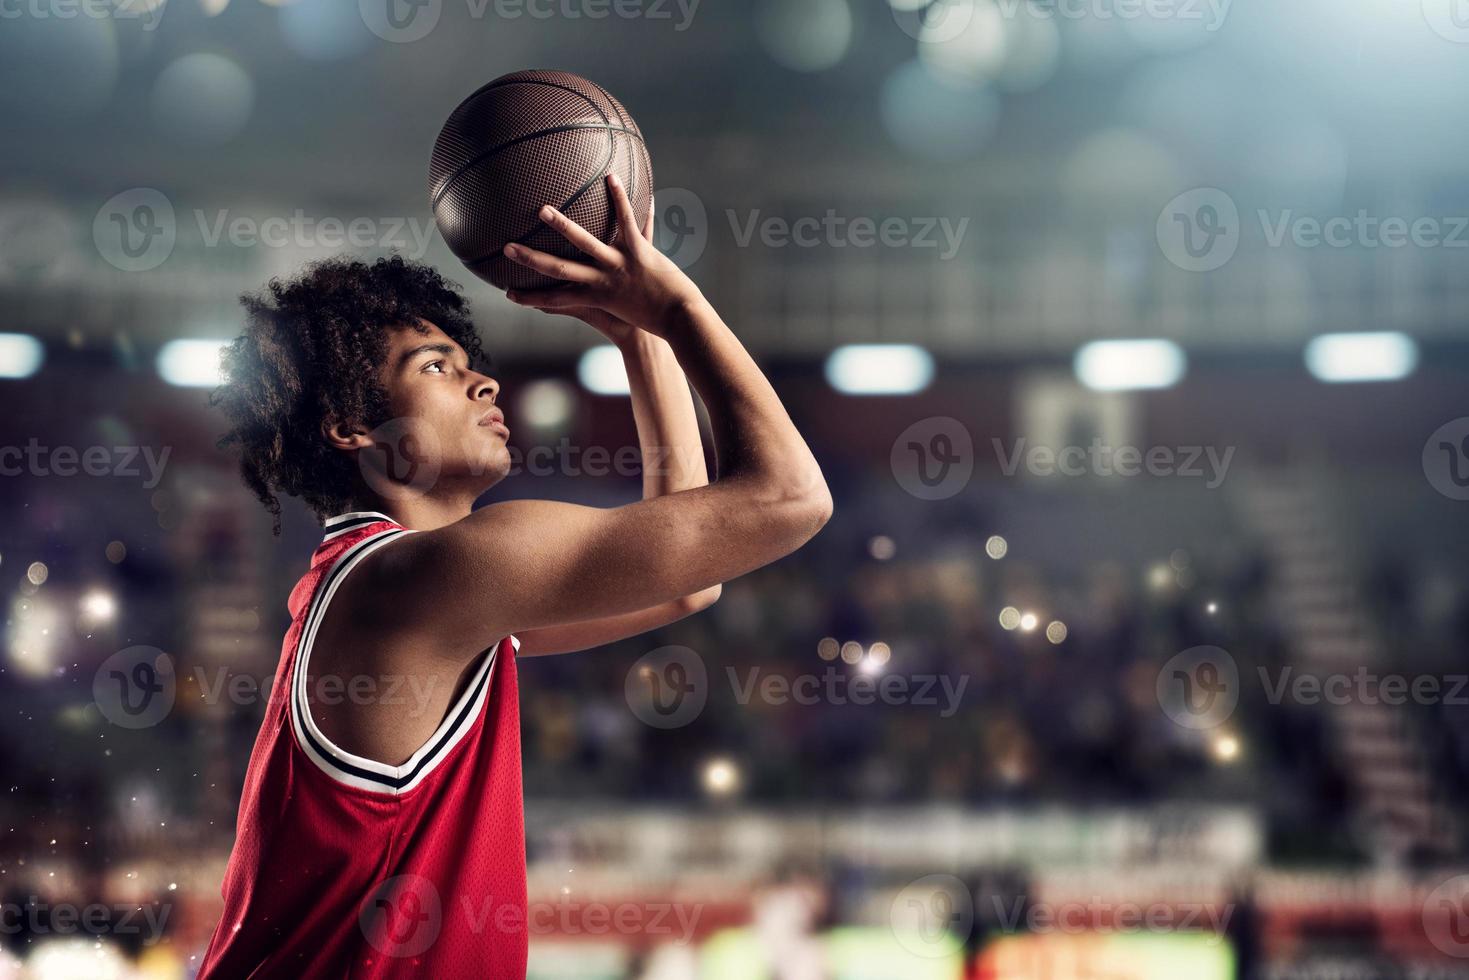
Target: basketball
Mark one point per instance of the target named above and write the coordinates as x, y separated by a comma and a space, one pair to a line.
524, 140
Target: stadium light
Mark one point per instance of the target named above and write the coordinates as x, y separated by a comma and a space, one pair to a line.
601, 372
547, 403
1342, 357
879, 369
192, 363
21, 355
1225, 747
33, 632
1129, 365
99, 606
721, 777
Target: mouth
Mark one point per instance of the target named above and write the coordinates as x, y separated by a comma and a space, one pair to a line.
495, 419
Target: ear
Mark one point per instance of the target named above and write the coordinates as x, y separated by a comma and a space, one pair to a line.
346, 436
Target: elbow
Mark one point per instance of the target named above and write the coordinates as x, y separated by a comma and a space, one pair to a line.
812, 507
698, 601
821, 507
794, 508
805, 506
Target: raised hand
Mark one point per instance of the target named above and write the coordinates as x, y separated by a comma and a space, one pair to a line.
627, 286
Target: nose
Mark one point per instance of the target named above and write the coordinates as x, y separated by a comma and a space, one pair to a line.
486, 387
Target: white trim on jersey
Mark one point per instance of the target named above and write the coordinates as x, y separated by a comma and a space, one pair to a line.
341, 765
342, 523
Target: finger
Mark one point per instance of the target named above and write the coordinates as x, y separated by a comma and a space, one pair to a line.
625, 218
551, 299
577, 235
652, 223
551, 265
599, 320
596, 316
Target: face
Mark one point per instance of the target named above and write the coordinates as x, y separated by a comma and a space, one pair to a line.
445, 426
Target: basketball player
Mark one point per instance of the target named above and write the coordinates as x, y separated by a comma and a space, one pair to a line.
382, 836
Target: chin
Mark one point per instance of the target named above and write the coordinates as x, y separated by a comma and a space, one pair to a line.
491, 466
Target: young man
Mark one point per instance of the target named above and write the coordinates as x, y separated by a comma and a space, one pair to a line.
383, 836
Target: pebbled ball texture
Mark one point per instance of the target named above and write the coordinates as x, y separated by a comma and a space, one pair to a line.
527, 139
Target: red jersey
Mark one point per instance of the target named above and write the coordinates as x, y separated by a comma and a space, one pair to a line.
347, 867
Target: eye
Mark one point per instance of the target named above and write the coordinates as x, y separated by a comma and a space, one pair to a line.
435, 365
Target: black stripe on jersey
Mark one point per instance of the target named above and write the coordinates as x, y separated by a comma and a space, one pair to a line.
308, 635
314, 615
334, 521
343, 526
339, 568
400, 781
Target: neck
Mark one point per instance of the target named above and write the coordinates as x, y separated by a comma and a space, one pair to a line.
420, 512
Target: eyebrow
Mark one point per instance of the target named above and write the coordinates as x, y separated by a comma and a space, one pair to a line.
408, 355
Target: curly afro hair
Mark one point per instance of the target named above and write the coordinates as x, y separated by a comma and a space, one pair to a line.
311, 351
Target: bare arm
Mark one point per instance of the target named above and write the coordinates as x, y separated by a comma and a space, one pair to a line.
673, 460
668, 428
525, 565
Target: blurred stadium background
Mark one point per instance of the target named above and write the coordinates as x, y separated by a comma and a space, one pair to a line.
1202, 718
